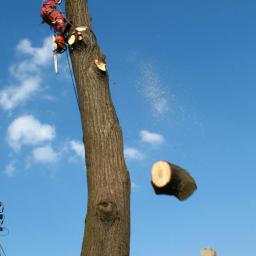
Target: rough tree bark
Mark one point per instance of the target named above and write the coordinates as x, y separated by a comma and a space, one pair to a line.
107, 227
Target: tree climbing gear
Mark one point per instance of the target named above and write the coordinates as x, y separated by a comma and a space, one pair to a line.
53, 17
59, 44
61, 25
52, 14
62, 35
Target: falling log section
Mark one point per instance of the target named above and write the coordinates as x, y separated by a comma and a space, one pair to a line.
170, 179
107, 227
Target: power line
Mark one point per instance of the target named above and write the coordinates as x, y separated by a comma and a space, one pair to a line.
2, 229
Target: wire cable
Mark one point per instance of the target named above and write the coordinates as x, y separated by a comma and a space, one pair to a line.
2, 249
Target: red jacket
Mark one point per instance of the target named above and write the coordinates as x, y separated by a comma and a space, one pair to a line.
53, 17
50, 4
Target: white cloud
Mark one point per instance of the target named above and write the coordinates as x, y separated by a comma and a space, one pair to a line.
78, 148
153, 91
151, 138
12, 96
45, 154
9, 169
27, 73
24, 46
133, 154
26, 130
38, 57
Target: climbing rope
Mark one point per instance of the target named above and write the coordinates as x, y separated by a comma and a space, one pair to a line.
74, 86
73, 79
60, 10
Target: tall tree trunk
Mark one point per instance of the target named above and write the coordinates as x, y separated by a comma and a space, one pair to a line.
107, 228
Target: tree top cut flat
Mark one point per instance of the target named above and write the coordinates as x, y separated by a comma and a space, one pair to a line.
208, 252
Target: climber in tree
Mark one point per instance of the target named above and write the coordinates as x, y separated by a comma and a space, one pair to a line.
61, 26
53, 17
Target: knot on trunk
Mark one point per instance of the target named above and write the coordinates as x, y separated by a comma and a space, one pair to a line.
107, 211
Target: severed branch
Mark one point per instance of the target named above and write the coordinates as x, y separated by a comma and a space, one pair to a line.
170, 179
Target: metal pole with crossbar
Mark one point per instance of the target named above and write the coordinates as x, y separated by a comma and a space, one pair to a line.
2, 229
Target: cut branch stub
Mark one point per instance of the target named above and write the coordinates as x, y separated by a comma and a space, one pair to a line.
71, 39
100, 65
170, 179
76, 35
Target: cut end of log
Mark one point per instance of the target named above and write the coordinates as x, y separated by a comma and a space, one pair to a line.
208, 252
161, 174
71, 39
101, 65
170, 179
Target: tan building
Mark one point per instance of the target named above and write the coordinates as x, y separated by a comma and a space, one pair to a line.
208, 252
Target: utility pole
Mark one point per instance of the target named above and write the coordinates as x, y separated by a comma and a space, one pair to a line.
107, 225
2, 229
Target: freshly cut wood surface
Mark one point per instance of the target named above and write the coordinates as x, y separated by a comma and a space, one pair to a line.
100, 65
71, 39
161, 173
170, 179
81, 29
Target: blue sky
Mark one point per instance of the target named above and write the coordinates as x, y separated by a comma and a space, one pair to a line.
182, 78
